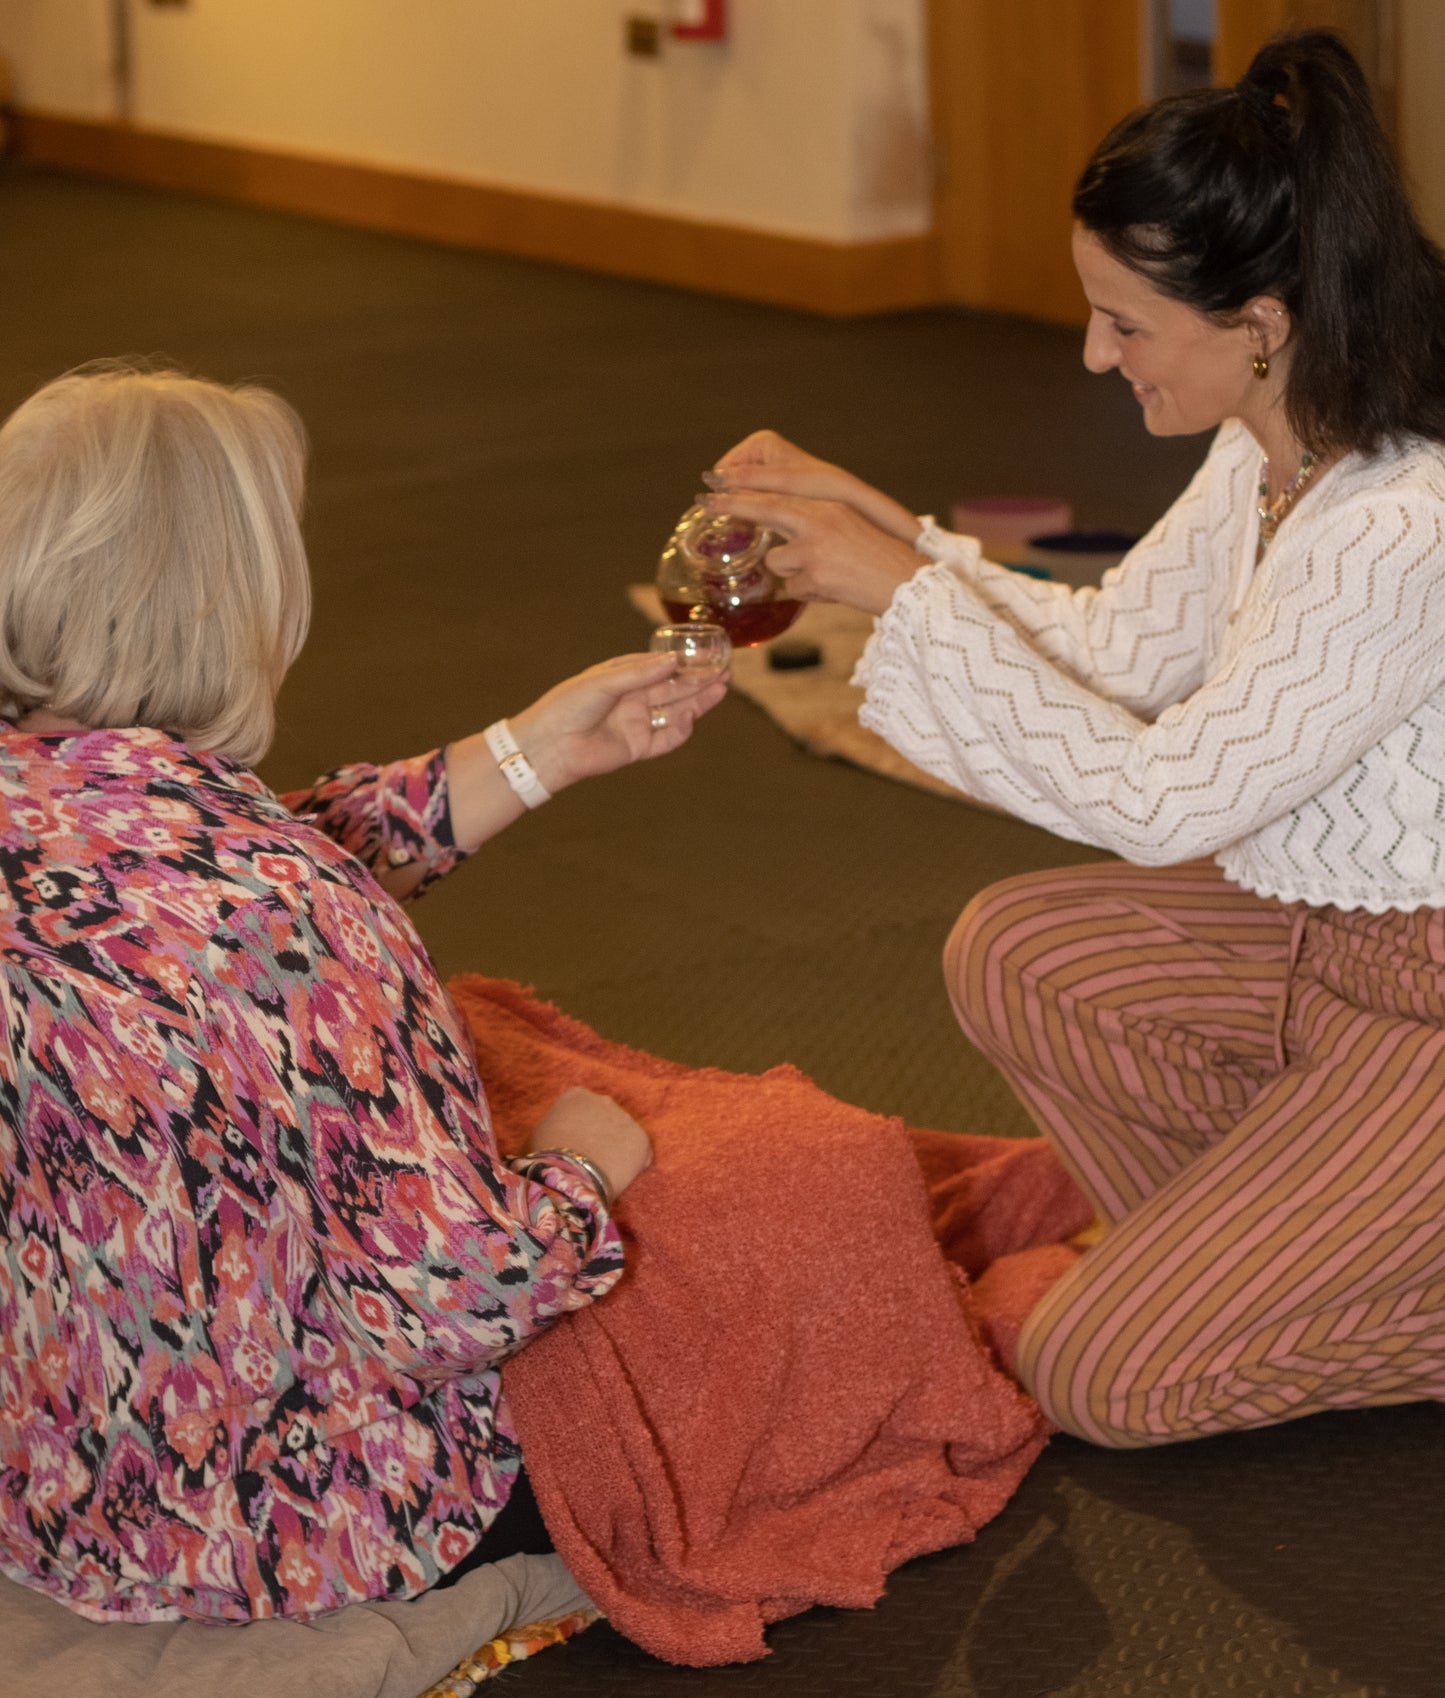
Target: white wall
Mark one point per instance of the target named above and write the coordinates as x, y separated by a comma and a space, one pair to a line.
811, 119
59, 52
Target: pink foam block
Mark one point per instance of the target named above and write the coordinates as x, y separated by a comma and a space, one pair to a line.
1011, 519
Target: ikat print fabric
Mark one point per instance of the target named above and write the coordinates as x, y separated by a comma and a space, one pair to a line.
259, 1258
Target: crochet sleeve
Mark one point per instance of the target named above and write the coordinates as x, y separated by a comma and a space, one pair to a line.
1336, 642
1139, 638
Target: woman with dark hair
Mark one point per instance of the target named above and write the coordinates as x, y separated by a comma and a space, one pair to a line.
1235, 1036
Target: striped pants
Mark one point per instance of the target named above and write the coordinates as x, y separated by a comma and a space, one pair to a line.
1253, 1094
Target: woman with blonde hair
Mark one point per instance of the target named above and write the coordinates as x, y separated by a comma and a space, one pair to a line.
259, 1257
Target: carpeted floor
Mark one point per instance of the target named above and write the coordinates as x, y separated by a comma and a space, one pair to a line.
499, 449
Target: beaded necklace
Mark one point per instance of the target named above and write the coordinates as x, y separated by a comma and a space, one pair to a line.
1271, 512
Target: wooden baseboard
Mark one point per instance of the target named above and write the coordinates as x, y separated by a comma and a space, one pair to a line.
841, 279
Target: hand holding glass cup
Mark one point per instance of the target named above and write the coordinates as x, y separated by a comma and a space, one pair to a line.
703, 653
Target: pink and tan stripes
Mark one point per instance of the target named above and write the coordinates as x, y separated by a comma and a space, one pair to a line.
1254, 1096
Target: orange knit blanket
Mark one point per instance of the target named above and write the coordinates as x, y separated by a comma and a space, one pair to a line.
792, 1391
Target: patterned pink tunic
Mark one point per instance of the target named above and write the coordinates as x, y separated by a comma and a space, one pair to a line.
259, 1259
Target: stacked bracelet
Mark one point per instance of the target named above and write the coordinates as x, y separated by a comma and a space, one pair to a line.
516, 768
595, 1176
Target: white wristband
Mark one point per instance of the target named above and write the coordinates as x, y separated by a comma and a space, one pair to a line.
516, 768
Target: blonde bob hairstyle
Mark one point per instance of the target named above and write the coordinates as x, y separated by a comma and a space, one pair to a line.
152, 571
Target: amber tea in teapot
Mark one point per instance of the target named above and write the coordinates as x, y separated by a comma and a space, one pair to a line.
714, 569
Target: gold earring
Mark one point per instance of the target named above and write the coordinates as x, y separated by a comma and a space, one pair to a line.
1261, 367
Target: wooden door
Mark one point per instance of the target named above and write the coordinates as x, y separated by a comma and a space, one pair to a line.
1367, 26
1022, 92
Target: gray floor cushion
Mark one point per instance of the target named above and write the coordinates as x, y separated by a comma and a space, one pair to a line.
367, 1651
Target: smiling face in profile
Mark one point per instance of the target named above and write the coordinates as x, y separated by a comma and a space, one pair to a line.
1188, 373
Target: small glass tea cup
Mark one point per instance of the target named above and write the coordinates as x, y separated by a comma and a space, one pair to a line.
703, 650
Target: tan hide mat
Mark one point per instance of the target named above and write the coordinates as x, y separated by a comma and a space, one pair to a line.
816, 705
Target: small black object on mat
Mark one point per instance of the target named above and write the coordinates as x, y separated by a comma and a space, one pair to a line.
793, 655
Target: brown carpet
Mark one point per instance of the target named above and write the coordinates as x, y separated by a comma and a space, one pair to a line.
500, 449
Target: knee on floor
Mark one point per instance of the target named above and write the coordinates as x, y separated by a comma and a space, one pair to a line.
1089, 1404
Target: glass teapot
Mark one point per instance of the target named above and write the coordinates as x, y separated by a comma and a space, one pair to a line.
714, 570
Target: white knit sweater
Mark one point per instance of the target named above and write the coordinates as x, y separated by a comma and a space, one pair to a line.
1287, 719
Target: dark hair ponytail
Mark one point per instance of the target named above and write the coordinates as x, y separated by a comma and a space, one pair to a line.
1285, 185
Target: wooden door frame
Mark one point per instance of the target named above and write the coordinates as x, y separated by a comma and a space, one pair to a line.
1008, 149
